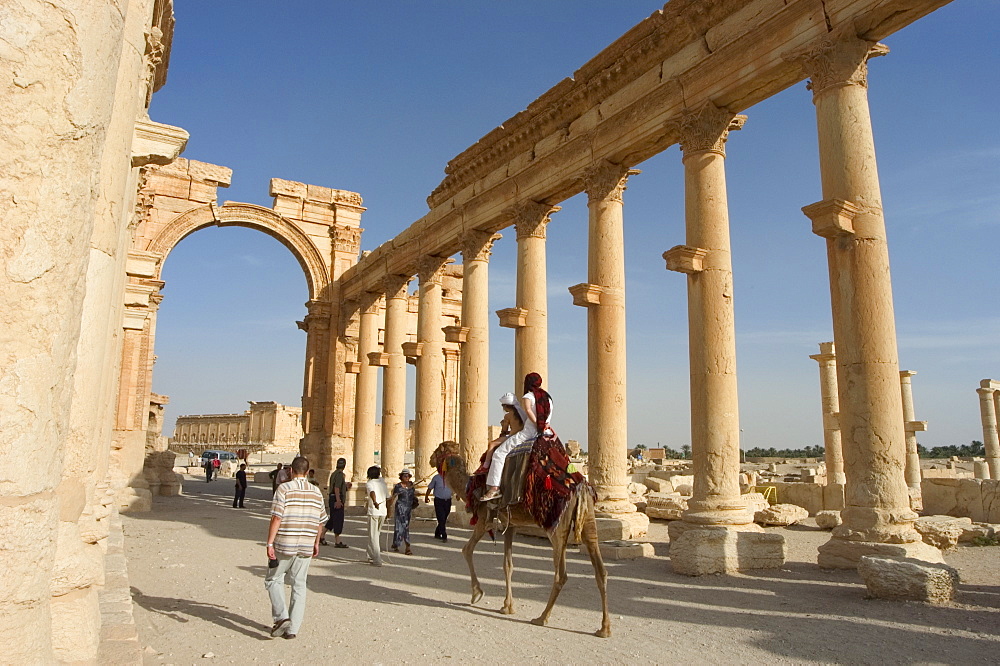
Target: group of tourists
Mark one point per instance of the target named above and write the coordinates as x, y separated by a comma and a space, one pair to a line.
299, 519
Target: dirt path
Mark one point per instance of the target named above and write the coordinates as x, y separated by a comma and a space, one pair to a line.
197, 565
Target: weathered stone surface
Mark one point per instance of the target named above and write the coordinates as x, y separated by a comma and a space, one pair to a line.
700, 550
978, 530
908, 579
755, 502
622, 550
658, 485
978, 499
828, 519
843, 554
942, 531
781, 514
669, 507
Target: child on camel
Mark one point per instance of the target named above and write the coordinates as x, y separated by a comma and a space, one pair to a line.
535, 411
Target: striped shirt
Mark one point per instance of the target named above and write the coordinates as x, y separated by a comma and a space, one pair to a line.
299, 505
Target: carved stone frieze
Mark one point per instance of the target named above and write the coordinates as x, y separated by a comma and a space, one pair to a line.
143, 200
530, 218
606, 181
706, 128
478, 245
346, 239
431, 268
152, 58
838, 60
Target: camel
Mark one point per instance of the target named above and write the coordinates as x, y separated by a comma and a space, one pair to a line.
577, 520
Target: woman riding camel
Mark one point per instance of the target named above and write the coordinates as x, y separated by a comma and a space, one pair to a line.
535, 411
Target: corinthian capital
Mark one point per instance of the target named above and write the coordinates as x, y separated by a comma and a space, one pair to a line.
707, 128
370, 302
395, 285
837, 60
530, 218
606, 181
478, 245
431, 268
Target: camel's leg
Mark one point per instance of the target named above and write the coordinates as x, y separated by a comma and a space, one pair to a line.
469, 548
589, 537
559, 538
508, 569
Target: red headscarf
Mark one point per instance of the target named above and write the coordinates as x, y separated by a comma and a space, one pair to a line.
543, 401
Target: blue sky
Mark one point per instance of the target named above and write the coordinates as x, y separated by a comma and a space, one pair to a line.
377, 97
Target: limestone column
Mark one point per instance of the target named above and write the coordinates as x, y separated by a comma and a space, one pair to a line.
911, 427
394, 374
877, 511
715, 428
366, 393
531, 331
474, 375
988, 412
429, 401
827, 359
604, 297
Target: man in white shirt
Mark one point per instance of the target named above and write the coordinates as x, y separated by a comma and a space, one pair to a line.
377, 493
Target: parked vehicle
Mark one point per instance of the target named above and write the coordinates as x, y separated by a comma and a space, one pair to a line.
221, 456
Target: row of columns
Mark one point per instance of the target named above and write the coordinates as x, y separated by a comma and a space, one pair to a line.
989, 407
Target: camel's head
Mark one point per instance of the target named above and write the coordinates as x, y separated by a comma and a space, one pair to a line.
444, 449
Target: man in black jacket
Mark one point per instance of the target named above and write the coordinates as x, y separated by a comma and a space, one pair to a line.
241, 487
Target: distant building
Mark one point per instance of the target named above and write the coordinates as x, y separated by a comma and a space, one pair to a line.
266, 425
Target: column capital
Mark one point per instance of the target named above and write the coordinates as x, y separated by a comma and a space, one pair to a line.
985, 393
906, 374
451, 354
585, 294
345, 238
431, 268
823, 358
370, 302
685, 259
706, 128
456, 333
530, 218
395, 286
513, 317
606, 181
377, 358
837, 60
478, 245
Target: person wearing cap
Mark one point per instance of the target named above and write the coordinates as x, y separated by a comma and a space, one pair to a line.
535, 410
403, 500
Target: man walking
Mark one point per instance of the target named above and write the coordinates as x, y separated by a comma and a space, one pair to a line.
297, 513
273, 474
338, 496
442, 505
241, 487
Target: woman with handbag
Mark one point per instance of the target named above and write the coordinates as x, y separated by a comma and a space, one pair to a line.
404, 500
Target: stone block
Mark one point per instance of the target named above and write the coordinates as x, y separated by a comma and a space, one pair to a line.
828, 519
697, 550
908, 579
781, 515
658, 485
942, 531
840, 553
978, 530
666, 508
756, 502
622, 550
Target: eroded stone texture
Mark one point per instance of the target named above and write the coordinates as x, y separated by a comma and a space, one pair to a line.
908, 579
781, 514
828, 519
942, 532
697, 550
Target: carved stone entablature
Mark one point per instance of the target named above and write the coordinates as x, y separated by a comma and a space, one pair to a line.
413, 349
395, 286
143, 200
352, 367
346, 239
832, 217
379, 359
915, 426
156, 143
451, 355
706, 128
431, 268
513, 317
347, 198
530, 218
837, 60
478, 245
990, 384
586, 295
606, 181
319, 309
685, 259
152, 57
456, 333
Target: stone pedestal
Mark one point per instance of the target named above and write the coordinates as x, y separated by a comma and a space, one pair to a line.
697, 550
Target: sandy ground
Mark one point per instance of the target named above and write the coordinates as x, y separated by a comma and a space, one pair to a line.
197, 566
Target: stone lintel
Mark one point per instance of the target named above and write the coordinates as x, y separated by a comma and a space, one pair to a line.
916, 426
413, 349
832, 217
685, 259
585, 294
513, 317
990, 384
156, 143
456, 333
380, 359
352, 367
